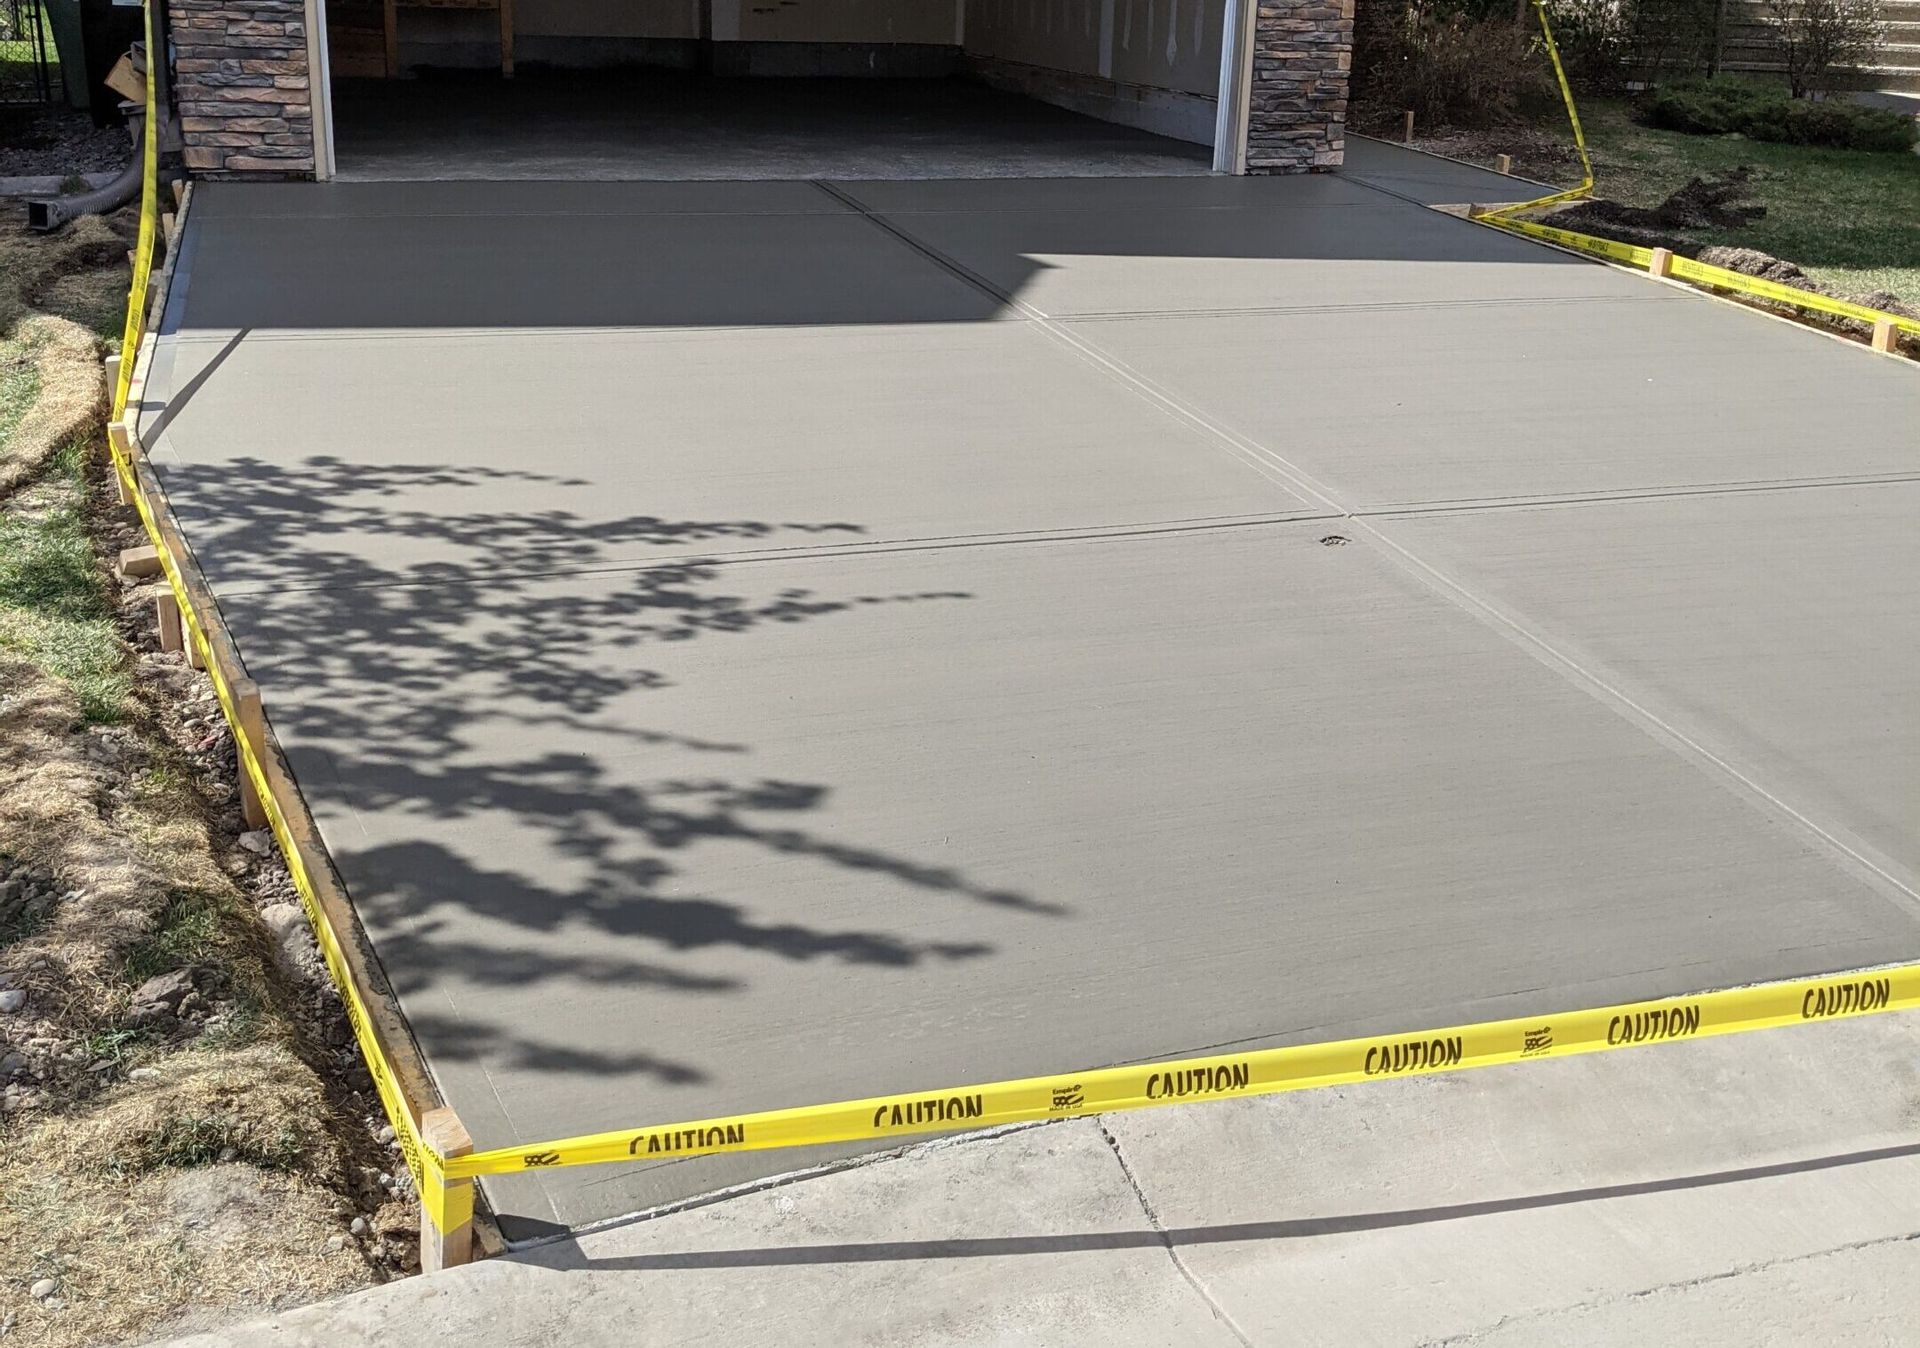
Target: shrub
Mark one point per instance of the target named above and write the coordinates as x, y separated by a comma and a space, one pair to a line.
1765, 112
1596, 41
1713, 107
1449, 67
1818, 38
1841, 125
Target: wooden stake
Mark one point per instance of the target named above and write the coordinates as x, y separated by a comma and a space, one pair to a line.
452, 1246
1409, 132
139, 563
1661, 264
195, 660
1884, 334
253, 727
1503, 163
166, 609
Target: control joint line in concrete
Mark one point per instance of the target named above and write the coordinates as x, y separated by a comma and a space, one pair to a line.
879, 547
1786, 484
1371, 307
1490, 611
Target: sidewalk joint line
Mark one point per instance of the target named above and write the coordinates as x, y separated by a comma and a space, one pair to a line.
1173, 1250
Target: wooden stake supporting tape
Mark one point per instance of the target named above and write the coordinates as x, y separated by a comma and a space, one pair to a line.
1662, 263
253, 725
166, 610
139, 563
446, 1221
120, 433
1884, 334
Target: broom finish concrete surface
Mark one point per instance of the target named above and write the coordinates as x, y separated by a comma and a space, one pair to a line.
752, 644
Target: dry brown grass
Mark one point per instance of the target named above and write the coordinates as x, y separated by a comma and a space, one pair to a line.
94, 1186
166, 1174
68, 404
78, 272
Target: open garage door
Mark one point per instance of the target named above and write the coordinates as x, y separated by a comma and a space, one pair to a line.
725, 89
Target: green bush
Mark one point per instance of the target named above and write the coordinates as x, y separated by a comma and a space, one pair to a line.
1715, 107
1448, 66
1846, 126
1596, 40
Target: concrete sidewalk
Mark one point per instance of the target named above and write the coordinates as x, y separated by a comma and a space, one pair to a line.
1758, 1189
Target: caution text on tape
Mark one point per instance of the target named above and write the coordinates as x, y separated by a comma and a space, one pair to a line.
1227, 1076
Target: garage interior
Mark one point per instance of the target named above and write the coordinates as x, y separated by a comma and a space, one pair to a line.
738, 89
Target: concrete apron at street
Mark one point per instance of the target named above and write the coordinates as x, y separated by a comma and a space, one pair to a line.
1757, 1189
753, 644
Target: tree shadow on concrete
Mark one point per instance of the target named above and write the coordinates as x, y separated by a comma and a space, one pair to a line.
467, 736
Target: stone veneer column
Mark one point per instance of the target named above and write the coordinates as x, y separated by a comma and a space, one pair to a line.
1302, 54
242, 86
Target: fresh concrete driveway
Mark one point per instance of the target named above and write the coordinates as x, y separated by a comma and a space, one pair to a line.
757, 643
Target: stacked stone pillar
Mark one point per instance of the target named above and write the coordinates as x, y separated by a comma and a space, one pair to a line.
1302, 56
243, 88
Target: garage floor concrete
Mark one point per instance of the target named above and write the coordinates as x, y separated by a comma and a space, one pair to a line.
754, 644
616, 124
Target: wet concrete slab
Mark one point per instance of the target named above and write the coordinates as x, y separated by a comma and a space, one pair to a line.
1432, 180
790, 661
1484, 402
856, 436
1779, 623
1339, 246
663, 844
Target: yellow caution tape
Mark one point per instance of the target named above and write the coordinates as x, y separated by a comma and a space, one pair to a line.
1585, 189
130, 332
1685, 269
447, 1208
455, 1207
1228, 1076
1631, 254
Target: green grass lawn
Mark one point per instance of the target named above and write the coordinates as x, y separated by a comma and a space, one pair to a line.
1849, 218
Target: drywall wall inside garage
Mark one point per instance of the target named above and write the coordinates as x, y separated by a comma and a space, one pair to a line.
884, 21
1153, 64
606, 18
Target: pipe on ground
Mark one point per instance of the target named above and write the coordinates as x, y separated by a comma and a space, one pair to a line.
50, 213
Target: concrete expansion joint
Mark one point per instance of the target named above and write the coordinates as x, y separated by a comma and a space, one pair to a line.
1173, 1251
1507, 1322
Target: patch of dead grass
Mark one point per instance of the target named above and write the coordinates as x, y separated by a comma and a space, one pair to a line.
68, 401
71, 273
